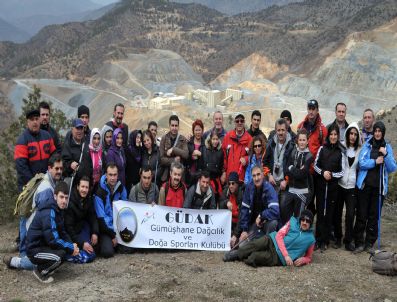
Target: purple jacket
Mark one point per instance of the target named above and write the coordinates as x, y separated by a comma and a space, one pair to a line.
117, 156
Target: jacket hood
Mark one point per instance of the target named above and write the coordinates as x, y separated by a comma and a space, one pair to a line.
105, 129
132, 139
355, 126
379, 125
208, 143
93, 132
115, 133
288, 138
47, 200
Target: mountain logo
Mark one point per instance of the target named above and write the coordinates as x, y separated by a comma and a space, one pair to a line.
147, 217
127, 224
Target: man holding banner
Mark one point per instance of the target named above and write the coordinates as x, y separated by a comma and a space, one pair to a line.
200, 195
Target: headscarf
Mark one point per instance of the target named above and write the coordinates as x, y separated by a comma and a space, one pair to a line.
91, 145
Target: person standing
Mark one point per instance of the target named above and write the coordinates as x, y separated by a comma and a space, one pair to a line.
218, 126
83, 113
285, 114
196, 146
254, 129
133, 155
45, 118
368, 123
116, 154
117, 122
340, 120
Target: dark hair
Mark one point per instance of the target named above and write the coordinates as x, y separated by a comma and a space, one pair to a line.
347, 134
280, 122
44, 105
173, 118
255, 139
340, 104
205, 174
197, 123
302, 131
152, 123
332, 127
370, 110
149, 134
256, 112
55, 157
84, 178
257, 167
111, 165
145, 168
61, 187
118, 105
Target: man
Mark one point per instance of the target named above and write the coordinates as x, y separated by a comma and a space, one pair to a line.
368, 123
145, 191
75, 153
173, 147
286, 115
32, 150
152, 127
218, 126
172, 192
259, 210
53, 175
44, 109
340, 120
235, 148
83, 113
47, 241
200, 196
110, 189
254, 129
117, 122
292, 245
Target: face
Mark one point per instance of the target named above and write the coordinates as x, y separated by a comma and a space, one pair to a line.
198, 132
153, 130
218, 120
286, 119
214, 141
281, 131
204, 184
146, 179
368, 120
96, 140
83, 187
176, 176
340, 113
62, 200
353, 136
111, 176
77, 133
257, 176
333, 137
302, 141
138, 139
377, 134
34, 124
118, 115
257, 147
233, 186
44, 116
239, 124
305, 224
119, 140
56, 170
312, 113
85, 119
174, 127
147, 142
108, 138
255, 121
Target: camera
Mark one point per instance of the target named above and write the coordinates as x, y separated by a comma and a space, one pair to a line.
276, 168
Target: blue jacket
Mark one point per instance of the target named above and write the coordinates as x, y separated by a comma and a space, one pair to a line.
297, 242
47, 228
269, 197
366, 163
104, 205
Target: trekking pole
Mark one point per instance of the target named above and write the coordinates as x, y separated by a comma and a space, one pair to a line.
380, 202
250, 236
325, 199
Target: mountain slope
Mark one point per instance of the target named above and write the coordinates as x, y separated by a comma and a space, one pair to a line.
9, 32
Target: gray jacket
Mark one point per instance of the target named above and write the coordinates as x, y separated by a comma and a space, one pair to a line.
137, 194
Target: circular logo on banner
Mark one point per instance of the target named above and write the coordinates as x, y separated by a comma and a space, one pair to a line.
127, 224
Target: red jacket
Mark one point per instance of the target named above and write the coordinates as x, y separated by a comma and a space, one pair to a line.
174, 197
317, 135
234, 149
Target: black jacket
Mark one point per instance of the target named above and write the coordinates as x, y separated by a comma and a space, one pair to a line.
268, 160
54, 135
329, 158
299, 177
211, 160
153, 161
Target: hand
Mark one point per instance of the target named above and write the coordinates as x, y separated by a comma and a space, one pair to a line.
382, 150
196, 153
283, 185
223, 177
243, 236
288, 260
88, 248
76, 250
169, 152
177, 158
271, 180
229, 205
233, 241
114, 241
258, 221
74, 165
327, 175
94, 239
379, 160
299, 262
242, 161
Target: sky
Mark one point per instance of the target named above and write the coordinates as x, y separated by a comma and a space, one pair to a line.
104, 2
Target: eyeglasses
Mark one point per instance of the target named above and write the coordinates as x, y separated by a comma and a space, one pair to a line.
257, 146
306, 220
239, 121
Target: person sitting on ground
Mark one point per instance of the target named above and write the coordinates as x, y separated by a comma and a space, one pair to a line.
172, 192
292, 245
80, 220
47, 241
145, 191
200, 196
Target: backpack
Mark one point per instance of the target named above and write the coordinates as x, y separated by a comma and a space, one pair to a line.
23, 206
384, 263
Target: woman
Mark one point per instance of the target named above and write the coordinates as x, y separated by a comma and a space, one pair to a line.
347, 191
329, 169
196, 145
106, 137
116, 154
256, 154
376, 161
133, 155
96, 156
300, 182
151, 155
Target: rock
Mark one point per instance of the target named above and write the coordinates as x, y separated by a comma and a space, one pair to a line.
170, 294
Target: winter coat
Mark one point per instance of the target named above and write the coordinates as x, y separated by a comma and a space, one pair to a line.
256, 132
170, 197
221, 133
189, 174
133, 155
152, 160
196, 200
211, 159
124, 129
292, 133
299, 178
54, 134
105, 148
235, 199
252, 162
96, 155
31, 154
329, 158
117, 156
137, 194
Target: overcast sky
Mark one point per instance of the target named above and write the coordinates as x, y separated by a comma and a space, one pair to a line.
104, 2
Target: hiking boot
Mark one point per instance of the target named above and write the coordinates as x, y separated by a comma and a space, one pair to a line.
349, 246
42, 278
7, 261
359, 249
368, 248
323, 247
317, 246
337, 244
230, 256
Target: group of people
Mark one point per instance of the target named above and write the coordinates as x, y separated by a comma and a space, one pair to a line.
273, 185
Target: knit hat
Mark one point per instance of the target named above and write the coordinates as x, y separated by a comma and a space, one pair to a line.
233, 176
379, 125
286, 114
307, 214
83, 110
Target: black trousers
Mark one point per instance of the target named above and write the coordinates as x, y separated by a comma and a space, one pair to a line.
106, 248
367, 215
259, 252
292, 204
326, 195
348, 197
46, 259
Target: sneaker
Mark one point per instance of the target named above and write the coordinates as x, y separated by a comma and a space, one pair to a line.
337, 244
7, 261
359, 249
349, 247
230, 256
43, 279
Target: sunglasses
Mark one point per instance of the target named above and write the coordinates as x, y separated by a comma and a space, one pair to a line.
239, 121
257, 146
306, 220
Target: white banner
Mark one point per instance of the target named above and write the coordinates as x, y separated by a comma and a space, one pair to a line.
146, 226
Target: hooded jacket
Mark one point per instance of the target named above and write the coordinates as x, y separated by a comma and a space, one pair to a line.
47, 228
138, 194
117, 156
195, 199
54, 135
299, 179
152, 160
133, 155
211, 159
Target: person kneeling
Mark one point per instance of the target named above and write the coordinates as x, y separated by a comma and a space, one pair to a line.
292, 245
47, 241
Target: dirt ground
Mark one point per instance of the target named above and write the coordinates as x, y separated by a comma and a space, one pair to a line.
336, 275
